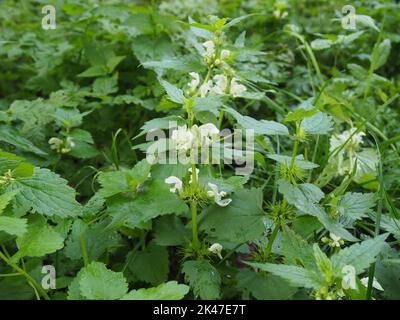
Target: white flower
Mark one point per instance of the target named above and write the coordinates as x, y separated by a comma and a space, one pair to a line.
210, 48
221, 83
60, 145
178, 185
225, 54
183, 138
339, 140
195, 80
375, 283
55, 143
349, 277
197, 174
205, 88
216, 248
335, 240
204, 135
214, 193
236, 88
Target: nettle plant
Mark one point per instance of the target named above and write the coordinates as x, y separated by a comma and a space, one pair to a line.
223, 206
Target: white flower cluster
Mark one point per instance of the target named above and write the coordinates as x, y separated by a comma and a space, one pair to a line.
354, 142
177, 187
219, 85
349, 279
337, 141
218, 195
61, 146
210, 53
186, 139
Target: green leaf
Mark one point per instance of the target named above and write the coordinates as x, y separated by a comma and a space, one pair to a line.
47, 194
366, 21
175, 94
319, 123
356, 205
359, 255
381, 54
300, 114
305, 197
296, 251
39, 240
166, 291
99, 283
240, 221
155, 201
95, 71
170, 231
5, 199
151, 265
13, 226
262, 286
261, 127
12, 136
96, 236
296, 276
204, 279
320, 44
323, 262
299, 161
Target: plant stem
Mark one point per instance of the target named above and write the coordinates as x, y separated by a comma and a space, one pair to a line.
84, 250
26, 275
271, 240
193, 207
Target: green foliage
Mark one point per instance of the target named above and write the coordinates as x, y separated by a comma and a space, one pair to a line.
311, 109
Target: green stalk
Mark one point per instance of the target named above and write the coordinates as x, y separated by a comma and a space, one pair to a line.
371, 272
84, 250
26, 275
271, 240
193, 207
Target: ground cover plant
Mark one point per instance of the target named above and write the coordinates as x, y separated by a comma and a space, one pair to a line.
301, 99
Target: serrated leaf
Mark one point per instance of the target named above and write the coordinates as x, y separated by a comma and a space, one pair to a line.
296, 251
166, 291
300, 114
320, 123
47, 194
39, 240
305, 197
359, 255
155, 201
13, 226
175, 94
299, 161
12, 136
296, 276
356, 205
150, 265
5, 199
240, 221
204, 279
99, 283
263, 287
261, 127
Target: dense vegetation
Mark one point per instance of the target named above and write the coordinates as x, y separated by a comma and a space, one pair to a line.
85, 215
